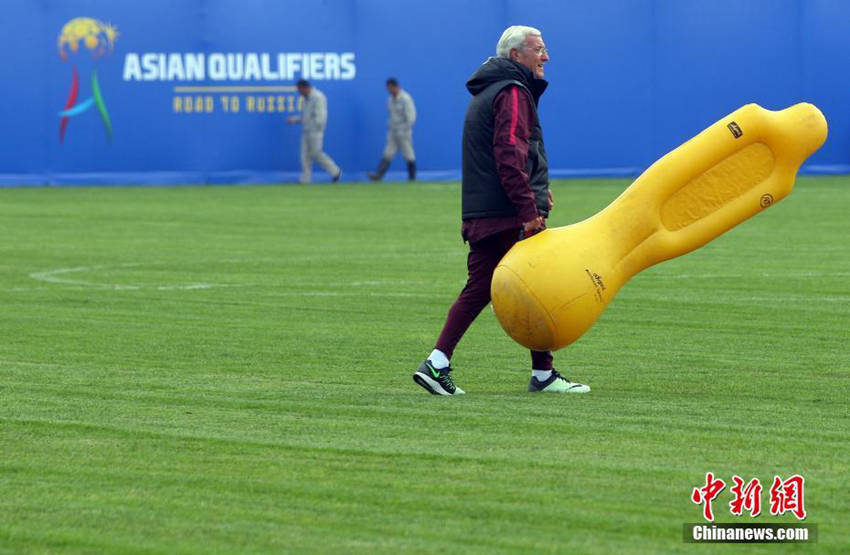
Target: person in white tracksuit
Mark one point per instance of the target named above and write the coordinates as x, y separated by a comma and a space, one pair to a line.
402, 116
313, 118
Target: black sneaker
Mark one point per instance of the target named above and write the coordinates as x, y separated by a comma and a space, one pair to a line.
556, 384
437, 382
337, 176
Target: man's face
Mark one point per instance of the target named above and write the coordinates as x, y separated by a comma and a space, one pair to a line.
304, 91
533, 55
393, 90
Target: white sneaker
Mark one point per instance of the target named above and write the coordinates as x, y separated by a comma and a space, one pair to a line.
556, 384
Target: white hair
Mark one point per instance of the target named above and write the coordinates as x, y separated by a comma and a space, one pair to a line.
514, 37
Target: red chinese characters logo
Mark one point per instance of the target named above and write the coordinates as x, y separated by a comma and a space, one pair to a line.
706, 494
785, 496
788, 496
747, 497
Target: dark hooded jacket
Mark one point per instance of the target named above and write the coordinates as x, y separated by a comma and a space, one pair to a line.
483, 194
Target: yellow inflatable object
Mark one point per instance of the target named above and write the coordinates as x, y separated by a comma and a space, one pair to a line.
549, 289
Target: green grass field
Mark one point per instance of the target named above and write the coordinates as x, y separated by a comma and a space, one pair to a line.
228, 369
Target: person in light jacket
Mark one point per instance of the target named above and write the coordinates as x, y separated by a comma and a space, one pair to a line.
313, 119
402, 116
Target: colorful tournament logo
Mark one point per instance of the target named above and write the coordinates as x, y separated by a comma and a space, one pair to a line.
83, 42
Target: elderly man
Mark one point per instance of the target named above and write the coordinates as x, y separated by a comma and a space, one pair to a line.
313, 118
505, 194
402, 116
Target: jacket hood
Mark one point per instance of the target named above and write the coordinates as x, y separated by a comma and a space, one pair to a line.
500, 69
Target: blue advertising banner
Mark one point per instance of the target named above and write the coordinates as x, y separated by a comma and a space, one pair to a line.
102, 92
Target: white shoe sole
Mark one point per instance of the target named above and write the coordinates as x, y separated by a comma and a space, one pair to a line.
555, 387
574, 388
434, 386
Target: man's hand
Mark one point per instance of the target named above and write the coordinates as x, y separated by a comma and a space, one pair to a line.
532, 227
292, 119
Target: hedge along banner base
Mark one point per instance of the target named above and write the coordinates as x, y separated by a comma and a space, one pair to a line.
204, 97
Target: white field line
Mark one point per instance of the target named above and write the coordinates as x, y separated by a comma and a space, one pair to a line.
737, 299
352, 294
779, 275
63, 276
58, 276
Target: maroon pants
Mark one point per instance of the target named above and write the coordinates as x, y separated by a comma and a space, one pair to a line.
483, 257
